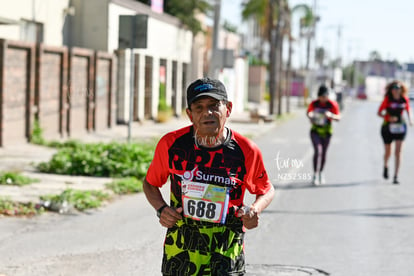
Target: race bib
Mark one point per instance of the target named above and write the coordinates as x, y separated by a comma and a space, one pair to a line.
205, 202
397, 128
319, 119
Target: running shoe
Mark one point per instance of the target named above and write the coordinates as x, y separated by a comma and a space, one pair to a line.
321, 178
315, 180
385, 173
396, 180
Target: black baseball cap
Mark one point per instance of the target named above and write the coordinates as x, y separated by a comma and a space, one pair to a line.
323, 90
396, 86
206, 87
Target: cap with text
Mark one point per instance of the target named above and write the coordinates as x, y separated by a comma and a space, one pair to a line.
206, 87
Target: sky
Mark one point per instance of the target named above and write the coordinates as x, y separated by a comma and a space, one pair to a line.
366, 25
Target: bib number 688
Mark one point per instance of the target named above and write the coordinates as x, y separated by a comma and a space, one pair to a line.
202, 209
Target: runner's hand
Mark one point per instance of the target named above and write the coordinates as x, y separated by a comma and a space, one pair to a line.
328, 114
169, 216
393, 119
249, 216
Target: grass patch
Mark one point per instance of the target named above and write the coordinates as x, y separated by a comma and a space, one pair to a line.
102, 160
81, 200
124, 186
11, 208
37, 134
16, 179
285, 117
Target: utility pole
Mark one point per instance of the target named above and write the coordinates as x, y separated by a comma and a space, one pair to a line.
213, 68
279, 54
131, 77
272, 58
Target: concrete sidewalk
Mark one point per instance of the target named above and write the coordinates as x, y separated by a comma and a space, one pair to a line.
23, 157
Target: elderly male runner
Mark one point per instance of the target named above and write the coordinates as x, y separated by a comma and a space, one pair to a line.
209, 167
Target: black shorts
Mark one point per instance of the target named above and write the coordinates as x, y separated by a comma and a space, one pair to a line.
388, 137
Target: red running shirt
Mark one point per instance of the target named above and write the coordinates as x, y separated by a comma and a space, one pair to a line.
237, 164
394, 107
318, 106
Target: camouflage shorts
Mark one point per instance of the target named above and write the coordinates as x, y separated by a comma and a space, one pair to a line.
203, 250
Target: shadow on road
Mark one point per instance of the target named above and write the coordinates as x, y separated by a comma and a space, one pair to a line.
380, 212
307, 185
282, 270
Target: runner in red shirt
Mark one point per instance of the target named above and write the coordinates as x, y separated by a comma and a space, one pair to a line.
209, 167
321, 112
394, 127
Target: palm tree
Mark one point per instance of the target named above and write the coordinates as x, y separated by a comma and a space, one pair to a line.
288, 32
283, 31
268, 16
320, 56
258, 10
186, 11
307, 27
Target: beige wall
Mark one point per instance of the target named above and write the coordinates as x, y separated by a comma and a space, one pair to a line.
164, 39
48, 12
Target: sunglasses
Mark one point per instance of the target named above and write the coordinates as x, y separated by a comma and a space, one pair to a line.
396, 86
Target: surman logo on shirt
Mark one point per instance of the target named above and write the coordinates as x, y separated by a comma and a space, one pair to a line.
199, 175
195, 174
188, 175
210, 178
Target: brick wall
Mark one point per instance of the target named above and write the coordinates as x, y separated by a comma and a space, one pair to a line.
104, 108
69, 91
51, 90
80, 91
16, 92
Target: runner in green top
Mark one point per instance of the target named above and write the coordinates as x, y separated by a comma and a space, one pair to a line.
321, 112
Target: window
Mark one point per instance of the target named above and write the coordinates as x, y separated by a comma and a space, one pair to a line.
31, 31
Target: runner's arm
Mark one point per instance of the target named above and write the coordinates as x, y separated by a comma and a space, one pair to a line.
333, 116
382, 107
251, 218
410, 118
309, 112
153, 195
334, 113
262, 201
169, 216
408, 109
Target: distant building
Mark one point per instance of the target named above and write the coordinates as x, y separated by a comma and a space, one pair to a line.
376, 74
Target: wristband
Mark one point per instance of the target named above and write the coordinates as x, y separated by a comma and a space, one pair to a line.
160, 210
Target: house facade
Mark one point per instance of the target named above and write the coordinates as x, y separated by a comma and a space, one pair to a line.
67, 90
162, 57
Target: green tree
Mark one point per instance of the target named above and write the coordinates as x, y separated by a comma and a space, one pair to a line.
258, 10
229, 27
320, 55
307, 27
269, 14
288, 33
375, 56
187, 10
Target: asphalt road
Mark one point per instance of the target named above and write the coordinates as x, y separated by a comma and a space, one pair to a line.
355, 224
